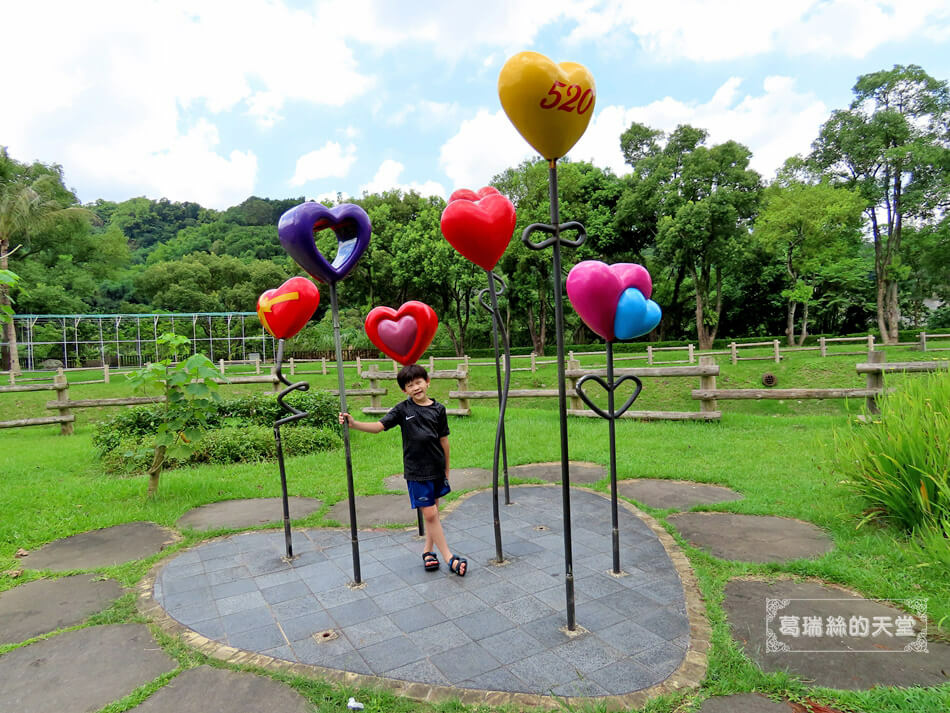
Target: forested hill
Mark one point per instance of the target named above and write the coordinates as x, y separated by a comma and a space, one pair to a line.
819, 247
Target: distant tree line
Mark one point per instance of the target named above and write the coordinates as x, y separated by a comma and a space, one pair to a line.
852, 236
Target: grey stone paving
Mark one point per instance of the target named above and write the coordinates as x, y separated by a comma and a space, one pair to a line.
101, 548
744, 703
847, 661
45, 605
499, 628
752, 538
213, 690
580, 473
374, 510
80, 671
240, 514
459, 478
676, 494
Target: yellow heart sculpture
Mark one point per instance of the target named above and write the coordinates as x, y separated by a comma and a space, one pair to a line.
549, 104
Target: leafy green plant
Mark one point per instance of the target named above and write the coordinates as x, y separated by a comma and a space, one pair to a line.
190, 392
899, 461
8, 280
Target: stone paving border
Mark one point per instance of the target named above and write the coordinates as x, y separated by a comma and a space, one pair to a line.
743, 703
688, 674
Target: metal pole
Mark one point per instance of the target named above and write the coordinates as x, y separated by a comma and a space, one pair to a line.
554, 229
612, 421
502, 404
341, 382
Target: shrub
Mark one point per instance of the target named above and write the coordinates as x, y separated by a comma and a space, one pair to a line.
899, 461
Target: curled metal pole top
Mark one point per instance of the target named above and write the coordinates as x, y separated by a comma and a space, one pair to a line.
555, 231
480, 296
295, 413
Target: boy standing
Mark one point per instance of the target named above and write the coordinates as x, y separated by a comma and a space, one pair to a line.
425, 456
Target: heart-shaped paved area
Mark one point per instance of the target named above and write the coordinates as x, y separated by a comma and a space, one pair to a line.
102, 548
500, 628
675, 494
251, 512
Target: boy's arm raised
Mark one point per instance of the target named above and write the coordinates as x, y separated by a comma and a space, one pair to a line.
365, 426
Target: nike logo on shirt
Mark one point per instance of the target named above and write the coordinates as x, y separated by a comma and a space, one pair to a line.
408, 417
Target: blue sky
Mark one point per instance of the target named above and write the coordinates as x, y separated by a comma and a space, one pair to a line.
215, 101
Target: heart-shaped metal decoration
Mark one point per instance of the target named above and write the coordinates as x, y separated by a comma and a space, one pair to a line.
351, 225
617, 413
479, 225
286, 310
402, 334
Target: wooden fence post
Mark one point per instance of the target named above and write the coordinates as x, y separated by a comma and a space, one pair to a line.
870, 342
923, 348
275, 384
323, 363
431, 363
574, 365
221, 366
292, 366
534, 363
822, 346
466, 362
735, 357
257, 366
778, 355
105, 373
691, 354
875, 380
462, 385
707, 382
359, 366
395, 366
649, 355
12, 379
373, 375
62, 395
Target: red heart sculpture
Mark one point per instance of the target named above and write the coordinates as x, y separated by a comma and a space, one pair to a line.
479, 225
402, 334
286, 310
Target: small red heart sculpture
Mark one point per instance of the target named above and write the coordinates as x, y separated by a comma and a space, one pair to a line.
479, 225
286, 310
402, 334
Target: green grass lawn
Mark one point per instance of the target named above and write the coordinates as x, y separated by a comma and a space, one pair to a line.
778, 454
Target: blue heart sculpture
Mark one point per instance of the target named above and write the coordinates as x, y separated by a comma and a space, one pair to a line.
351, 225
636, 315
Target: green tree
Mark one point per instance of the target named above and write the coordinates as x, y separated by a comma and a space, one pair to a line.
892, 145
32, 198
190, 396
698, 203
810, 226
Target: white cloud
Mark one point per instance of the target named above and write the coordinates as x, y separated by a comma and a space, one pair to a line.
484, 146
331, 160
387, 179
116, 95
702, 31
778, 123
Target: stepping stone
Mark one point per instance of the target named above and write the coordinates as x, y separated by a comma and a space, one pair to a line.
743, 703
551, 472
214, 690
239, 514
48, 604
678, 494
752, 538
836, 661
374, 510
82, 670
102, 548
459, 479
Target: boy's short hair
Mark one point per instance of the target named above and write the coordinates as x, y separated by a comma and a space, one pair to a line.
410, 373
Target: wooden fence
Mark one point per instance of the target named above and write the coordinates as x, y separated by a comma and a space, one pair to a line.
874, 370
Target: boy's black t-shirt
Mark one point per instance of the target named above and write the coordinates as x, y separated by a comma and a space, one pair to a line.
422, 427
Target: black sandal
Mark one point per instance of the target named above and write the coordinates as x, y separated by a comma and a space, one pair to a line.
431, 561
458, 565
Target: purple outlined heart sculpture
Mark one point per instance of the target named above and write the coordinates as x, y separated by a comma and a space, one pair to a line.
617, 413
601, 295
351, 225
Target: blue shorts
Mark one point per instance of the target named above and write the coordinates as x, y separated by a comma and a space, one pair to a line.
423, 493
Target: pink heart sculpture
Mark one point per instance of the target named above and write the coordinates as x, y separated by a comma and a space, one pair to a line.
402, 334
399, 335
594, 289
